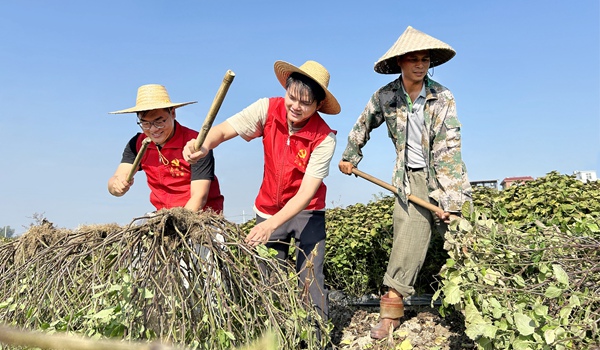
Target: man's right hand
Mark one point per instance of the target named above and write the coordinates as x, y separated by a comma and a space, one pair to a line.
118, 185
191, 155
346, 167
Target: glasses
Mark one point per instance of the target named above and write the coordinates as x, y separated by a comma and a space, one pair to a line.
159, 124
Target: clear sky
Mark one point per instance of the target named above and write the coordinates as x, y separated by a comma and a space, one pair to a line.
526, 78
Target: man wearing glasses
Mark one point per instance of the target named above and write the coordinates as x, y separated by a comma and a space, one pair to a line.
173, 182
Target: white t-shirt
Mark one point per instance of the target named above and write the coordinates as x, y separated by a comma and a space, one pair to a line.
415, 158
250, 123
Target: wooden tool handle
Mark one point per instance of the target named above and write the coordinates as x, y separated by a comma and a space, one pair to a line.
387, 186
214, 109
138, 158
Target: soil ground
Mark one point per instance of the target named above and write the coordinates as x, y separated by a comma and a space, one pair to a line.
421, 328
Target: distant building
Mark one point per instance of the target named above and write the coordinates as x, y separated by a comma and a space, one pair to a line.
585, 175
485, 183
509, 181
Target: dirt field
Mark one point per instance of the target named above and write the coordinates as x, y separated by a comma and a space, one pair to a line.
422, 327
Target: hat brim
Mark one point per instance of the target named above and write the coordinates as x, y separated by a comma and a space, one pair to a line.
413, 40
438, 56
283, 70
149, 107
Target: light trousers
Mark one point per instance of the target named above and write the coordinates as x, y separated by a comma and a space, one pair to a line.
413, 226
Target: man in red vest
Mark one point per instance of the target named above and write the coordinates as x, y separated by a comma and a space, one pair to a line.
173, 182
298, 147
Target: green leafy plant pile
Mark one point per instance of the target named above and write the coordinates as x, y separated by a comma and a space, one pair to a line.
554, 199
359, 241
176, 276
524, 266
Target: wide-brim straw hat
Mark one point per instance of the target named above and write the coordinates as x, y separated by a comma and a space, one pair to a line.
410, 41
315, 71
149, 97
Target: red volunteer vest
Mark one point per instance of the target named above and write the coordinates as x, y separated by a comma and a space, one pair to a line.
170, 183
286, 158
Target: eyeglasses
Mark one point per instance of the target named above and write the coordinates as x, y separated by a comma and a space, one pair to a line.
159, 124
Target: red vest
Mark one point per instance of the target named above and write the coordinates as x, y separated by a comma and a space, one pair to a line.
286, 158
170, 184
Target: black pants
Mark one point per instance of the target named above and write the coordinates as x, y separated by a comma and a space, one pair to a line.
308, 230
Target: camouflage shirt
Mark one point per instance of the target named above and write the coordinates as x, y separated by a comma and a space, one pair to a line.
447, 175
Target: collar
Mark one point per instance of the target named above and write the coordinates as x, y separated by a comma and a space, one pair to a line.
422, 94
307, 131
172, 142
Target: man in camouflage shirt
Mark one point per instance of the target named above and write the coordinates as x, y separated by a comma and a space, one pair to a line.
420, 115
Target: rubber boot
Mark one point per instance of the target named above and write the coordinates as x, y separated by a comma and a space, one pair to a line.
391, 309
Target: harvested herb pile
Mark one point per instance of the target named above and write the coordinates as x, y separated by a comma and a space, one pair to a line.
183, 278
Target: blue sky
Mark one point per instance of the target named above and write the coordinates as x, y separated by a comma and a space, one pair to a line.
526, 78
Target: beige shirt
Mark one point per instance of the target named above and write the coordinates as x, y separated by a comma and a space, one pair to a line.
250, 122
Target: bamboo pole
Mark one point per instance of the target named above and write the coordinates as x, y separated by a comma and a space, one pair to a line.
35, 339
214, 108
138, 158
17, 337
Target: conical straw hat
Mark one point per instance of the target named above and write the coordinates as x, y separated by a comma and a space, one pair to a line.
410, 41
316, 72
151, 96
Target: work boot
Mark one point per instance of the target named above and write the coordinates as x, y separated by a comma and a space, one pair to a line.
391, 309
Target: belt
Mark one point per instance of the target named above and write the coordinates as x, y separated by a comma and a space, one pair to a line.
414, 169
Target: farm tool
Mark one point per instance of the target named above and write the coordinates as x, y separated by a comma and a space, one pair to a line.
387, 186
210, 117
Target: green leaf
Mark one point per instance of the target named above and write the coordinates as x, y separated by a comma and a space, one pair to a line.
485, 343
519, 280
5, 303
477, 325
264, 252
491, 277
553, 292
103, 314
524, 324
497, 309
99, 294
574, 301
549, 336
521, 344
452, 293
405, 345
464, 225
148, 294
560, 274
564, 313
540, 309
593, 227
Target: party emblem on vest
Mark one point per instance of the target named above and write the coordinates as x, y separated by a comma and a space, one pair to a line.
175, 168
302, 153
301, 158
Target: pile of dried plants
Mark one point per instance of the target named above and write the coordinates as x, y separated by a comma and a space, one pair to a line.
178, 277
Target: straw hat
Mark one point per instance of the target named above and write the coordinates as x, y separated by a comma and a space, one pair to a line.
316, 72
151, 96
410, 41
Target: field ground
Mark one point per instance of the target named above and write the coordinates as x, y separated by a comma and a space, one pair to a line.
422, 327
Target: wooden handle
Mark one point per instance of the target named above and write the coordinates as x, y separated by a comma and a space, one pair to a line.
387, 186
214, 109
138, 158
374, 180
